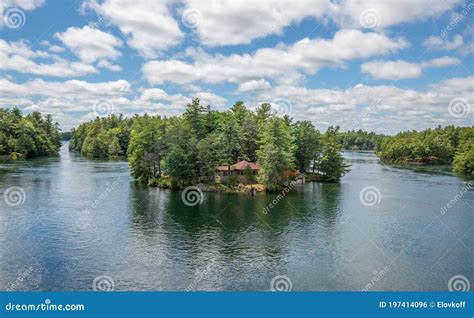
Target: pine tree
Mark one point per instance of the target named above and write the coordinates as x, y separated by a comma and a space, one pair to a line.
276, 153
332, 166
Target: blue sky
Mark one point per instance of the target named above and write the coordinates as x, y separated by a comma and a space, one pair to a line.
383, 66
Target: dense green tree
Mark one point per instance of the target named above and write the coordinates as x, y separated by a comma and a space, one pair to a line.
28, 136
434, 146
331, 165
308, 145
360, 140
179, 166
464, 158
276, 152
195, 119
102, 137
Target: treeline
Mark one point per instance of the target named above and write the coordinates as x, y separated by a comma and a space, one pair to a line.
29, 136
102, 137
448, 145
360, 140
187, 148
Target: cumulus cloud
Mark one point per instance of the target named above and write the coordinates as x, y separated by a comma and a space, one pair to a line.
148, 25
230, 22
397, 70
382, 108
254, 85
382, 14
91, 44
304, 57
18, 56
456, 44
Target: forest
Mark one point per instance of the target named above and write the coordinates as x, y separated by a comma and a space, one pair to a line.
442, 145
360, 140
183, 150
27, 136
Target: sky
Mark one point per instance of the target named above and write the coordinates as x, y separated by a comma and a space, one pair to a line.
383, 66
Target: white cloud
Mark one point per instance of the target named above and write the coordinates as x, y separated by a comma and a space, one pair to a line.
90, 44
229, 22
393, 70
456, 44
397, 70
75, 88
254, 85
17, 56
382, 14
208, 98
304, 57
63, 99
381, 108
106, 64
148, 25
442, 62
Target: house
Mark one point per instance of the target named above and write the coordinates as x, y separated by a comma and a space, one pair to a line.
238, 170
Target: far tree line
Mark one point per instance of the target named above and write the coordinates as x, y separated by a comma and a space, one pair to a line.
442, 145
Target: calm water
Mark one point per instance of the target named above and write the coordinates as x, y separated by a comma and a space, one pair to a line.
83, 218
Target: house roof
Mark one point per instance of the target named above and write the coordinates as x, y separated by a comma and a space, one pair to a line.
241, 165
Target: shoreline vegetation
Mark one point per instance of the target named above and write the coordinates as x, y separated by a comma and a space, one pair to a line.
30, 136
440, 146
180, 151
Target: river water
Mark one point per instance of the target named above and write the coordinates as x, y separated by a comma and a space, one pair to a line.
382, 228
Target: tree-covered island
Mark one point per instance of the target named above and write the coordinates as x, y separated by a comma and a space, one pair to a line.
225, 149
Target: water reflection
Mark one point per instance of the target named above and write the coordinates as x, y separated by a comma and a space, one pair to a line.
320, 235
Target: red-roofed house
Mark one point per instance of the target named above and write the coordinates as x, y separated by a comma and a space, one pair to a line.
223, 173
